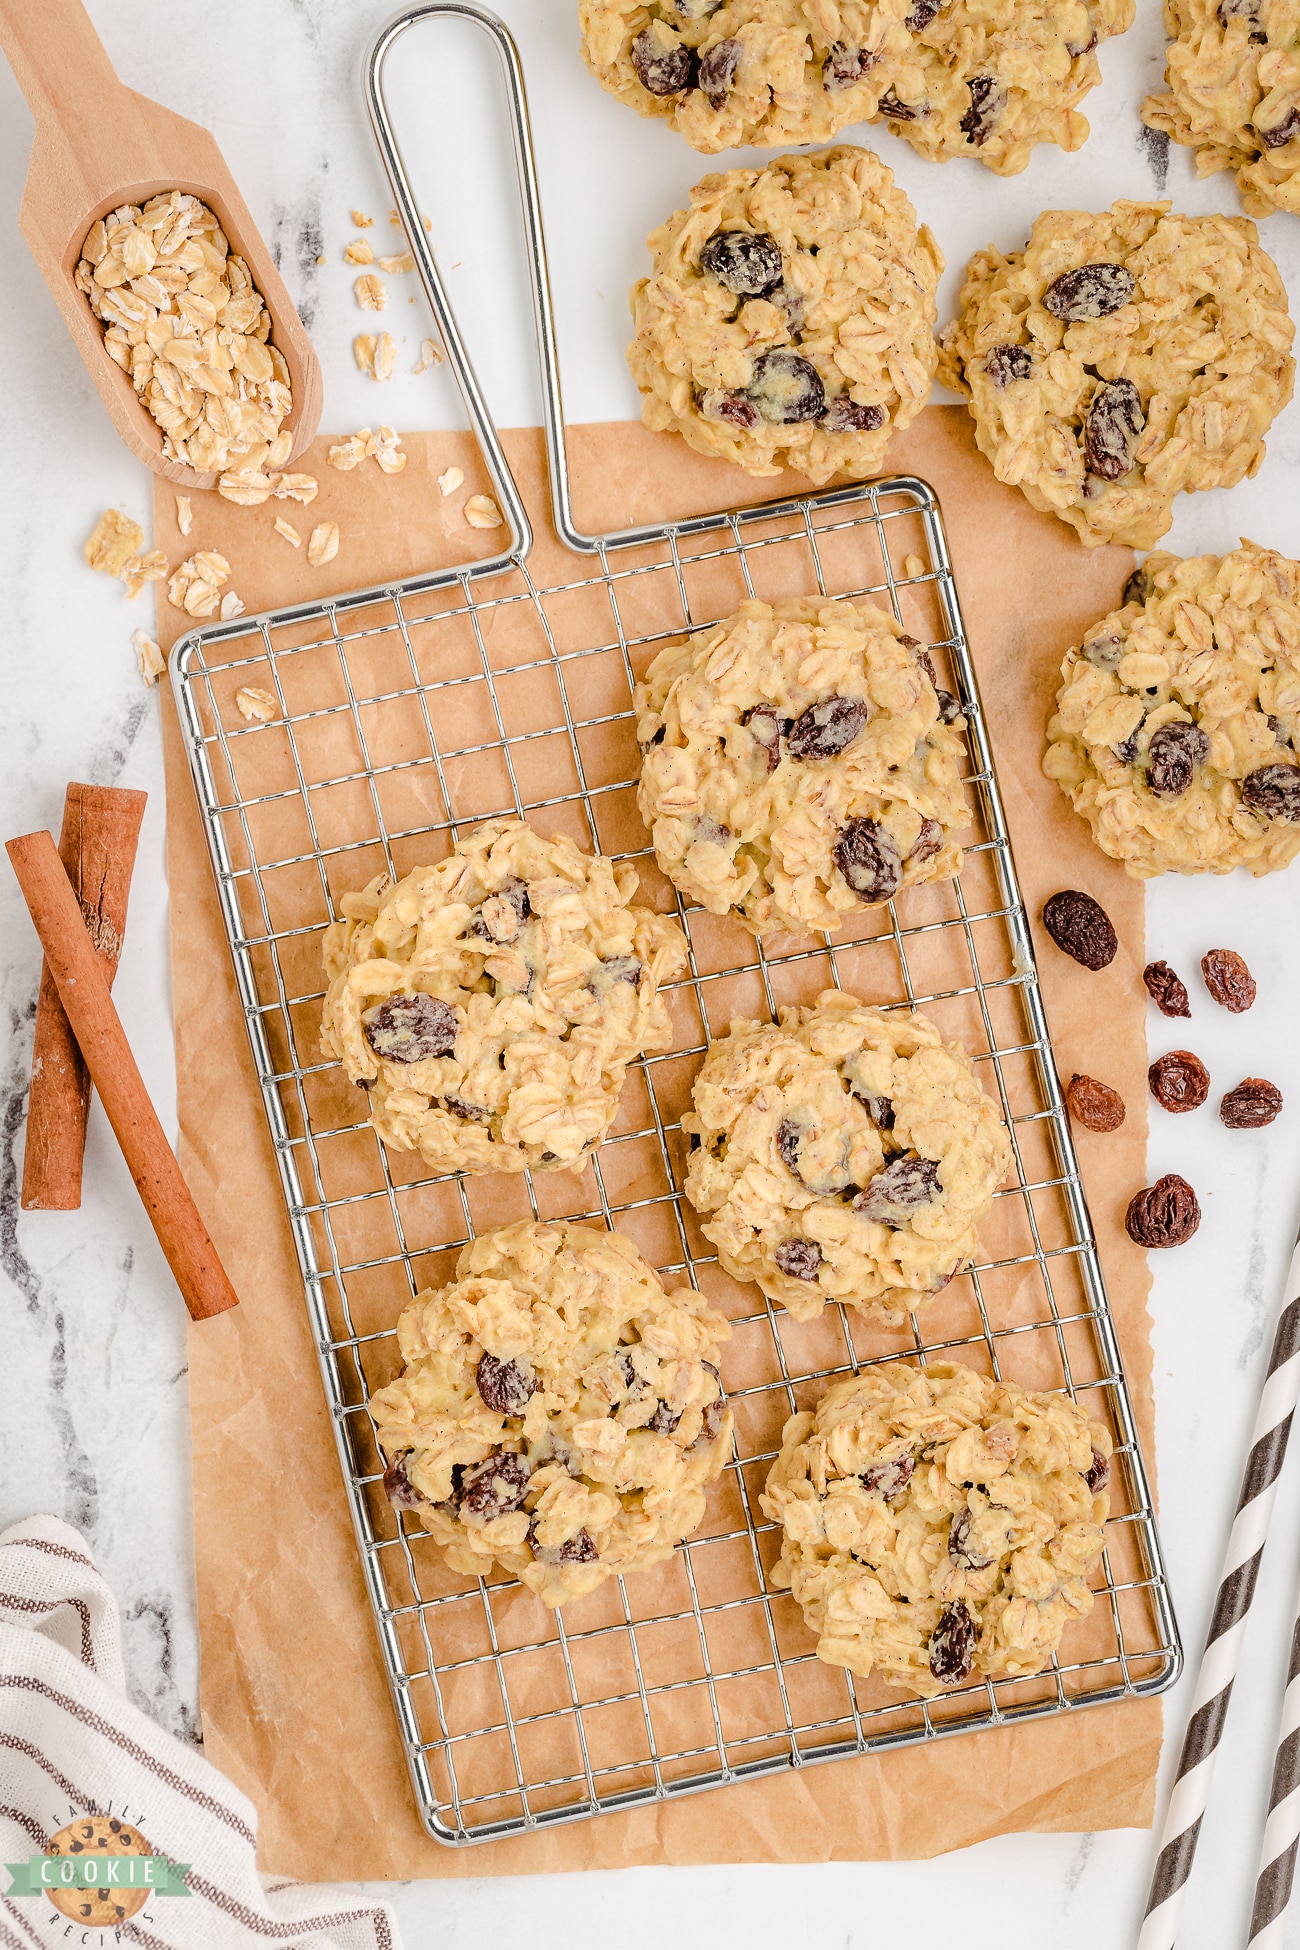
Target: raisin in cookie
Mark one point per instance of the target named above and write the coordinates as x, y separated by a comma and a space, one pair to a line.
558, 1413
491, 1004
938, 1524
1120, 359
1176, 725
727, 73
1233, 70
847, 1154
789, 319
798, 764
990, 78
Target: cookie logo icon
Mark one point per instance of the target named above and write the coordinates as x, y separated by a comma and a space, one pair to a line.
102, 1907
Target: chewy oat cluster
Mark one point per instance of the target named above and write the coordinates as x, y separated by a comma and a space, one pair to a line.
789, 318
183, 318
1233, 73
938, 1524
1176, 722
799, 764
846, 1153
1120, 359
490, 1004
558, 1412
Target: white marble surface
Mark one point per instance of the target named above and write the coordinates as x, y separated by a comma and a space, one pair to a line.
94, 1425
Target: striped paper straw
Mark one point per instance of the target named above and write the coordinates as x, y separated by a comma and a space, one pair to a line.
1282, 1829
1227, 1627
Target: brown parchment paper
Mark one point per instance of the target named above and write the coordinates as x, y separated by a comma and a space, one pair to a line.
295, 1704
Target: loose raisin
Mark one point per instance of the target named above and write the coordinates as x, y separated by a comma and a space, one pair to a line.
1179, 1081
1165, 989
1115, 419
1274, 792
786, 388
1094, 1105
1137, 588
718, 71
1092, 291
664, 65
824, 730
1172, 757
897, 111
507, 1387
1007, 363
495, 1487
890, 1479
960, 1549
1081, 927
748, 262
1251, 1105
798, 1259
1164, 1214
1228, 979
764, 728
1098, 1475
869, 860
903, 1187
398, 1487
988, 98
844, 415
410, 1028
952, 1645
845, 65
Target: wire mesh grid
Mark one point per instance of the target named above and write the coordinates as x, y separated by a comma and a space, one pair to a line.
409, 713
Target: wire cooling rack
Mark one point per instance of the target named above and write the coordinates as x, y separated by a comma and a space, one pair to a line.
405, 715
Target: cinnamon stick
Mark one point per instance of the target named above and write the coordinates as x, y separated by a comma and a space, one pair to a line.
101, 826
83, 991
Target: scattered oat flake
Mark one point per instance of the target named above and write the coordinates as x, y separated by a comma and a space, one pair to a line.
428, 223
296, 487
481, 511
231, 606
324, 544
451, 480
351, 452
279, 450
195, 586
363, 351
430, 355
142, 569
397, 265
184, 514
246, 490
287, 529
360, 251
361, 220
385, 355
252, 703
322, 259
913, 565
394, 218
148, 656
116, 539
370, 292
387, 450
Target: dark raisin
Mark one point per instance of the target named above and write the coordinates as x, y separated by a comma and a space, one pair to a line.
952, 1645
878, 1109
733, 409
495, 1487
927, 842
1103, 652
696, 9
711, 831
816, 1157
507, 1387
1093, 291
960, 1549
1165, 989
1252, 1104
1228, 979
869, 860
1007, 363
1128, 751
1281, 132
1172, 757
1165, 1214
765, 729
844, 415
1277, 728
1247, 10
950, 708
1115, 419
988, 98
923, 12
1075, 48
1179, 1081
398, 1487
718, 71
889, 1479
655, 738
1137, 588
786, 388
903, 1187
1081, 927
824, 730
578, 1549
890, 106
622, 968
748, 262
1273, 792
664, 65
712, 1420
1098, 1475
1094, 1105
798, 1259
663, 1421
410, 1028
461, 1107
845, 65
789, 303
788, 1133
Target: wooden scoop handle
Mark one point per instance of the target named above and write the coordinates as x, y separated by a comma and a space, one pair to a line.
59, 63
70, 958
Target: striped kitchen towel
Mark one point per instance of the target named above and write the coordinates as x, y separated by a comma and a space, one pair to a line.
83, 1773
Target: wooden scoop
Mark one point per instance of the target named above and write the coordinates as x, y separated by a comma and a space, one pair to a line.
99, 145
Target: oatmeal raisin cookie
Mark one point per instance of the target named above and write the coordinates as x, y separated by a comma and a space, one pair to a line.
1233, 70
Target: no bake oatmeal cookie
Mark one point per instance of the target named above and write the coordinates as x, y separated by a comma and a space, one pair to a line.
491, 1004
1233, 70
1177, 718
799, 763
990, 78
789, 319
938, 1524
558, 1413
846, 1154
1120, 359
727, 73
